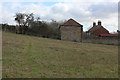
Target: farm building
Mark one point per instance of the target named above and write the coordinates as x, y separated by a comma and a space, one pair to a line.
99, 30
71, 30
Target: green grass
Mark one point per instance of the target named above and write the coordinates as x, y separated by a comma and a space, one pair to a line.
35, 57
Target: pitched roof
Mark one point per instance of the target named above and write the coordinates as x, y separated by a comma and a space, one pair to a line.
94, 28
71, 22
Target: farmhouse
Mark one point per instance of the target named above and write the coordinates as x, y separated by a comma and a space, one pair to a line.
99, 30
71, 30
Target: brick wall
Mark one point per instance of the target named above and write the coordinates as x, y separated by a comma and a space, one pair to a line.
101, 40
71, 33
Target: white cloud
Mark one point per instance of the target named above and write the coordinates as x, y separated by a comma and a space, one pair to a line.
6, 16
59, 1
112, 22
83, 12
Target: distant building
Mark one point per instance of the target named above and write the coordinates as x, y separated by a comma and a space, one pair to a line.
71, 30
99, 30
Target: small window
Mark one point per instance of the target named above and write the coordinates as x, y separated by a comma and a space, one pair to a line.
88, 34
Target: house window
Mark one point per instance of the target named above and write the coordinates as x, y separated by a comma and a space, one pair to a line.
88, 34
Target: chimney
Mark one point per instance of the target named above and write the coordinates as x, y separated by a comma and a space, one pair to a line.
99, 22
94, 24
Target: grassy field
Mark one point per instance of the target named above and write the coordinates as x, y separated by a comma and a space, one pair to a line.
35, 57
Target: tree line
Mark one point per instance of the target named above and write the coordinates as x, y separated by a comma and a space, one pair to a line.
28, 24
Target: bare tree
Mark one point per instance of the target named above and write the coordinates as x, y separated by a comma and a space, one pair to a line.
24, 21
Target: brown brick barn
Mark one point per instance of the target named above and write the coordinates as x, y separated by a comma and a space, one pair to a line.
71, 31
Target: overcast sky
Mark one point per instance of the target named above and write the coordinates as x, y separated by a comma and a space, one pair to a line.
85, 12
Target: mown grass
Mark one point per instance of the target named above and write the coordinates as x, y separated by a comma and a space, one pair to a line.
35, 57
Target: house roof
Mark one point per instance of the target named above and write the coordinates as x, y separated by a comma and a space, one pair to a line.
108, 34
71, 22
91, 29
94, 28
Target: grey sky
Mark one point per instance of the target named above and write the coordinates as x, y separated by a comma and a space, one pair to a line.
84, 12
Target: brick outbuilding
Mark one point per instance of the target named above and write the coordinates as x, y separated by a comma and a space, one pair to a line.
71, 30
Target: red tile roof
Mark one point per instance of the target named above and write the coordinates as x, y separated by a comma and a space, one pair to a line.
71, 22
94, 28
91, 29
108, 34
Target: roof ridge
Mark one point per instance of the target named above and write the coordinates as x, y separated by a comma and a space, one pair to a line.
71, 22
